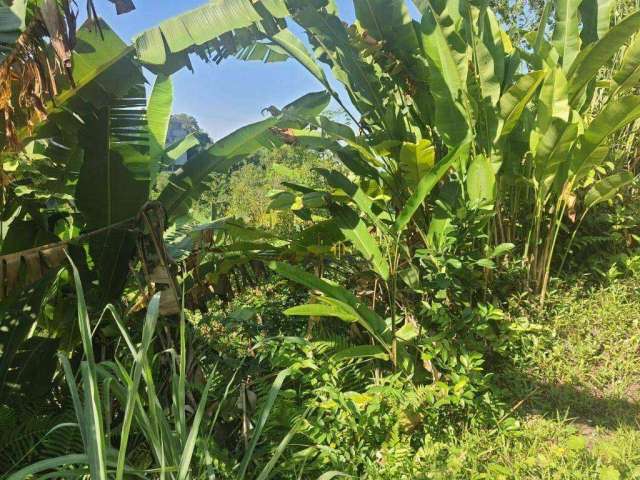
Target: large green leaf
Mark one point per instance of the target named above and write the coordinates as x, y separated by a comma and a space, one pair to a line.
443, 215
322, 310
539, 37
616, 115
544, 56
428, 182
103, 69
481, 180
552, 154
356, 194
628, 76
447, 65
490, 56
367, 318
390, 22
333, 45
566, 37
178, 35
553, 101
180, 147
421, 5
159, 112
112, 187
605, 189
296, 49
514, 101
94, 58
262, 51
596, 18
12, 23
356, 231
588, 65
416, 159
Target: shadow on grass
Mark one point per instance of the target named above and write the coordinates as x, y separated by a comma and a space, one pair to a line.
530, 396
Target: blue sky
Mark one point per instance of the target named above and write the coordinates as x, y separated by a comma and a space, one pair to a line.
221, 97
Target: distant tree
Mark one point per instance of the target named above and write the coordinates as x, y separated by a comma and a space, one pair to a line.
182, 124
245, 192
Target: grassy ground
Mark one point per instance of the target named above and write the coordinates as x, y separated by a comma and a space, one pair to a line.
576, 403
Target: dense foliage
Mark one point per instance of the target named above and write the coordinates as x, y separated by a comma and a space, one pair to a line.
309, 297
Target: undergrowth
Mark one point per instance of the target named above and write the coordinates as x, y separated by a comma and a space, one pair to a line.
562, 404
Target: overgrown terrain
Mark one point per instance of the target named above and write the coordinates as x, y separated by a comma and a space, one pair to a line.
427, 269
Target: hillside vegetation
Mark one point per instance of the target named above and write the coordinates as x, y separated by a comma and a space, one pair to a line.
427, 269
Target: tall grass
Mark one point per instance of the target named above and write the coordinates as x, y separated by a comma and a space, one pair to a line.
177, 443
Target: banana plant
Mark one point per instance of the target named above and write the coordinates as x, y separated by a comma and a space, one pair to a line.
443, 103
451, 74
102, 144
413, 131
411, 85
52, 191
378, 235
38, 41
89, 166
573, 116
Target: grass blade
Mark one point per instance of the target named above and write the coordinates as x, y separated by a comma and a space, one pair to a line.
266, 471
48, 464
182, 376
190, 444
262, 420
93, 417
134, 384
95, 424
75, 396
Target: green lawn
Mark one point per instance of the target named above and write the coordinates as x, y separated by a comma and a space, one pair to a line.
575, 399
